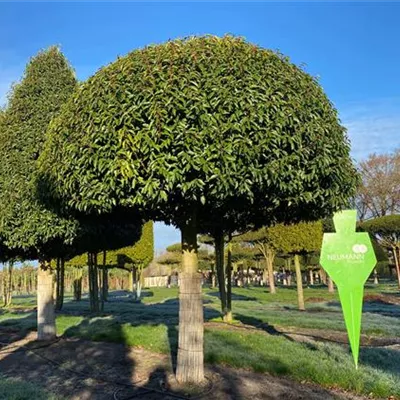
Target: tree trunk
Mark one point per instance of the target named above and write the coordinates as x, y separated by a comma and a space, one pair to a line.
322, 275
212, 276
60, 283
311, 277
190, 361
219, 262
299, 283
45, 306
397, 262
77, 284
104, 281
139, 282
331, 287
93, 282
228, 314
131, 280
7, 283
269, 259
376, 280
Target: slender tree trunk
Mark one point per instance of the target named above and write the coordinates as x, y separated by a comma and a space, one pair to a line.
130, 279
136, 275
311, 277
57, 284
376, 280
93, 282
190, 362
322, 275
299, 283
397, 261
25, 286
285, 281
60, 283
77, 284
219, 262
228, 314
212, 276
7, 283
104, 281
269, 259
139, 282
331, 287
45, 306
10, 280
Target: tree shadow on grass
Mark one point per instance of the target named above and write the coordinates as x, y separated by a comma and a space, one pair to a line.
68, 367
385, 359
235, 296
372, 306
19, 327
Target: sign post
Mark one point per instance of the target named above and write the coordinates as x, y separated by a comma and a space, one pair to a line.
348, 257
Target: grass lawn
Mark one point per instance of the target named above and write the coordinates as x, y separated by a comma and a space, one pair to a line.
13, 389
152, 323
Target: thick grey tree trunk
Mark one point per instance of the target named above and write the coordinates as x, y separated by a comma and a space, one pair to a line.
190, 362
46, 320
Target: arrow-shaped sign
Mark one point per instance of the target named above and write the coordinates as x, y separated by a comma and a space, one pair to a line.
348, 257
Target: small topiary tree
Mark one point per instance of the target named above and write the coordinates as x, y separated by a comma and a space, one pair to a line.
297, 239
386, 231
135, 258
196, 133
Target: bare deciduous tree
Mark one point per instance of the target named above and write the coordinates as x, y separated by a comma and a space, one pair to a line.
379, 192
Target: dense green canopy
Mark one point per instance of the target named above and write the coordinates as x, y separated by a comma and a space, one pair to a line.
138, 255
202, 133
25, 223
303, 237
386, 228
210, 123
138, 251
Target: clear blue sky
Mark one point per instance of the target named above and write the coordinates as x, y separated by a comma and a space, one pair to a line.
353, 48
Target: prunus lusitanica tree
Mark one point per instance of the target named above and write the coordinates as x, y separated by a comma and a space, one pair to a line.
261, 240
194, 129
25, 224
297, 239
386, 231
135, 257
97, 234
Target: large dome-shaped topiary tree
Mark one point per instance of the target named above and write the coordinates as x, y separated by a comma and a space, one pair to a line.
194, 132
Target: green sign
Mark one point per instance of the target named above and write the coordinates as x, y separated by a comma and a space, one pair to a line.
348, 257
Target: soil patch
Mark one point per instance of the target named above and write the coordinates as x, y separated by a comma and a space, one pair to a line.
81, 369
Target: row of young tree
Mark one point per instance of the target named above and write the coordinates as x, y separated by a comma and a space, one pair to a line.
265, 249
23, 281
213, 135
378, 202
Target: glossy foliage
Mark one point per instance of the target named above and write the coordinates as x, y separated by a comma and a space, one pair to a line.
206, 123
139, 253
25, 223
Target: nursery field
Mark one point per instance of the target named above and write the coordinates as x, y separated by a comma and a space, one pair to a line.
269, 340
